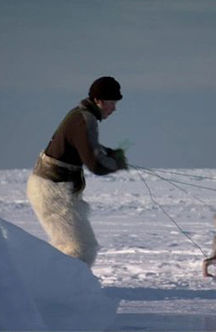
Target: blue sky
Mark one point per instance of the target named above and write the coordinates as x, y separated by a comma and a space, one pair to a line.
163, 52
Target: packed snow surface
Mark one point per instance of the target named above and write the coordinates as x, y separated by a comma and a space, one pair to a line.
147, 275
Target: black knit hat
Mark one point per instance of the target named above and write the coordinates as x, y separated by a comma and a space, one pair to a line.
105, 88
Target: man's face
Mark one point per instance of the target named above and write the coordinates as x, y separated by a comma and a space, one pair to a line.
107, 107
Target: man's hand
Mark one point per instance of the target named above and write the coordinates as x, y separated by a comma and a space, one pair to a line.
120, 158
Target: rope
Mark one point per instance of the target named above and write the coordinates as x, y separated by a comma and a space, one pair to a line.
181, 174
173, 180
198, 177
166, 213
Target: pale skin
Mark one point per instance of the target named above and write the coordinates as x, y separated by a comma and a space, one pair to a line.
107, 107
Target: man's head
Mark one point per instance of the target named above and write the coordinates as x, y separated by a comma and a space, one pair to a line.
105, 92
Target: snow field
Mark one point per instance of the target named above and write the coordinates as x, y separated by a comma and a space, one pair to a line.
146, 266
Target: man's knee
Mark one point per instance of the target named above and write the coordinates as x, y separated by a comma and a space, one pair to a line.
85, 254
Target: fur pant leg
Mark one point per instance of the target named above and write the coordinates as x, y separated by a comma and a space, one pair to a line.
64, 217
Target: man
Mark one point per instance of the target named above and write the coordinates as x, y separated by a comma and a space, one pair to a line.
55, 187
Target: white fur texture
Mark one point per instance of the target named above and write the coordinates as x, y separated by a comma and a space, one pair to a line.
64, 217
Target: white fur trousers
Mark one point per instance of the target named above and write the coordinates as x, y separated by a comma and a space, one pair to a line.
64, 217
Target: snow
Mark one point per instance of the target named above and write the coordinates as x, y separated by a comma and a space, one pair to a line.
147, 275
42, 288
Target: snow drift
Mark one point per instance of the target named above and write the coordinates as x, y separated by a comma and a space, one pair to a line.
41, 288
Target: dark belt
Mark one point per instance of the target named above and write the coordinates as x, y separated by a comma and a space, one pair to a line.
58, 171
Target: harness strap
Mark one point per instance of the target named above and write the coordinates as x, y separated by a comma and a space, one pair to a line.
59, 163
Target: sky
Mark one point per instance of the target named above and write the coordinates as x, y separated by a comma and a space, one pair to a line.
163, 53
